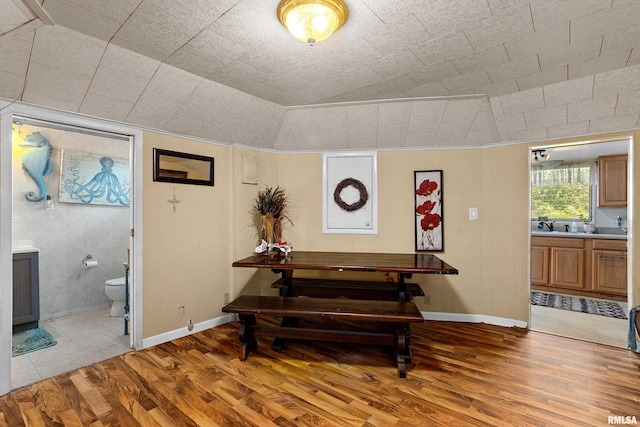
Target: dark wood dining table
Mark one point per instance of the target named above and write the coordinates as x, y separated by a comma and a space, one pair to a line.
402, 264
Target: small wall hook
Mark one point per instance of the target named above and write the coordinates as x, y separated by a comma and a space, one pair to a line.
87, 258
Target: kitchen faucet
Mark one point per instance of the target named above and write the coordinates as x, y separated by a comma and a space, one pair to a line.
549, 225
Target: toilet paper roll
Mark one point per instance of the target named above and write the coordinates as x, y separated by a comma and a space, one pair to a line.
90, 264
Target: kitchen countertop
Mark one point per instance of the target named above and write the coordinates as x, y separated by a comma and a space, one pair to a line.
579, 235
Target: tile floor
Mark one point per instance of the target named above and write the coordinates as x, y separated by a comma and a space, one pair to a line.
582, 326
83, 339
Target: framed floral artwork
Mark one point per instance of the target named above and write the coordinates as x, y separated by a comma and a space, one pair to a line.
428, 210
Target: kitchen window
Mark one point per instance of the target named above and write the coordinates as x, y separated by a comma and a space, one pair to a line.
563, 191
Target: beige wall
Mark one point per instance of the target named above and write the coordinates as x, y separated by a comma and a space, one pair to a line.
505, 232
466, 183
188, 254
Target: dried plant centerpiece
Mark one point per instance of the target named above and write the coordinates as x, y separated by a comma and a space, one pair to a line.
272, 206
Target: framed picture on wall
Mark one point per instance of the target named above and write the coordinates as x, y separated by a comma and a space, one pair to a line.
429, 217
93, 179
350, 199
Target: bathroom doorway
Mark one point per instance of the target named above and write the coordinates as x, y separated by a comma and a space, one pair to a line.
581, 283
81, 241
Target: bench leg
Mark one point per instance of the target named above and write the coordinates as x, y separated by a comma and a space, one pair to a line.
403, 351
248, 341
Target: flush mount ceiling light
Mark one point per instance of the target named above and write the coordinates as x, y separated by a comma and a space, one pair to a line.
539, 155
312, 21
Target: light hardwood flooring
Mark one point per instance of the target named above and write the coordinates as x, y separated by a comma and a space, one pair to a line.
461, 374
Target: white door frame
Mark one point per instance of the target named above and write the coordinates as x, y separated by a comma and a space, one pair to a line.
7, 111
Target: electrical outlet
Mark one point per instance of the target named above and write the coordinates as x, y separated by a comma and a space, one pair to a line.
226, 297
427, 299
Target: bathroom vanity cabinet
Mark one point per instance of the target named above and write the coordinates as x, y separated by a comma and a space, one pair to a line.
26, 291
582, 266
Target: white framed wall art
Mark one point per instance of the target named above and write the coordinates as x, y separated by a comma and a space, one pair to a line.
350, 193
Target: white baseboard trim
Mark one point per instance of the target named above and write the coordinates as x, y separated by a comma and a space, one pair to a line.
183, 332
428, 315
473, 318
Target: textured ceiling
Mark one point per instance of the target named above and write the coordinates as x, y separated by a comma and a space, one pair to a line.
400, 73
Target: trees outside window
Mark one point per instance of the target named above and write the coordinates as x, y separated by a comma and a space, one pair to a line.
563, 191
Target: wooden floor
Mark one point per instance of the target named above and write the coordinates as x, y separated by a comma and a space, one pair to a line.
462, 374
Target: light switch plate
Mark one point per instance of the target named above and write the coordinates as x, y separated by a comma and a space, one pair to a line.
473, 214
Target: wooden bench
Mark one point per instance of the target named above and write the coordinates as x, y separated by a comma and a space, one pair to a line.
394, 313
329, 288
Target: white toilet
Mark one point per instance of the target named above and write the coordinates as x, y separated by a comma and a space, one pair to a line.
115, 291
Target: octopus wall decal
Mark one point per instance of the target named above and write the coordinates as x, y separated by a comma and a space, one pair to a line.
104, 187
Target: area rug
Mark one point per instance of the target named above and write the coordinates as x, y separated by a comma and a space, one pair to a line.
584, 305
31, 340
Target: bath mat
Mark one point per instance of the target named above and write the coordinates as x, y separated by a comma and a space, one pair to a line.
584, 305
31, 340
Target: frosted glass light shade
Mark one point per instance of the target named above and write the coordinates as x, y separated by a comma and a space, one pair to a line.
312, 21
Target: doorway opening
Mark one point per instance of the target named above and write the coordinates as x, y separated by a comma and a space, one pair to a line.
581, 240
72, 209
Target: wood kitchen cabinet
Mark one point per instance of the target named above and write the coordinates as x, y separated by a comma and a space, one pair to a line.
612, 181
579, 266
609, 266
539, 265
558, 262
565, 261
567, 268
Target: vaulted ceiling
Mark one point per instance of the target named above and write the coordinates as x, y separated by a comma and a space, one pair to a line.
400, 73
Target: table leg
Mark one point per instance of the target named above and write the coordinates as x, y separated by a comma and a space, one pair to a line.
287, 322
285, 291
287, 275
403, 295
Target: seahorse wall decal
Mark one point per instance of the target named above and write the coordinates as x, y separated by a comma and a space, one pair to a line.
37, 163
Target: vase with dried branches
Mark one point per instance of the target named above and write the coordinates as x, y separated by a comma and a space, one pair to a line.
272, 206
